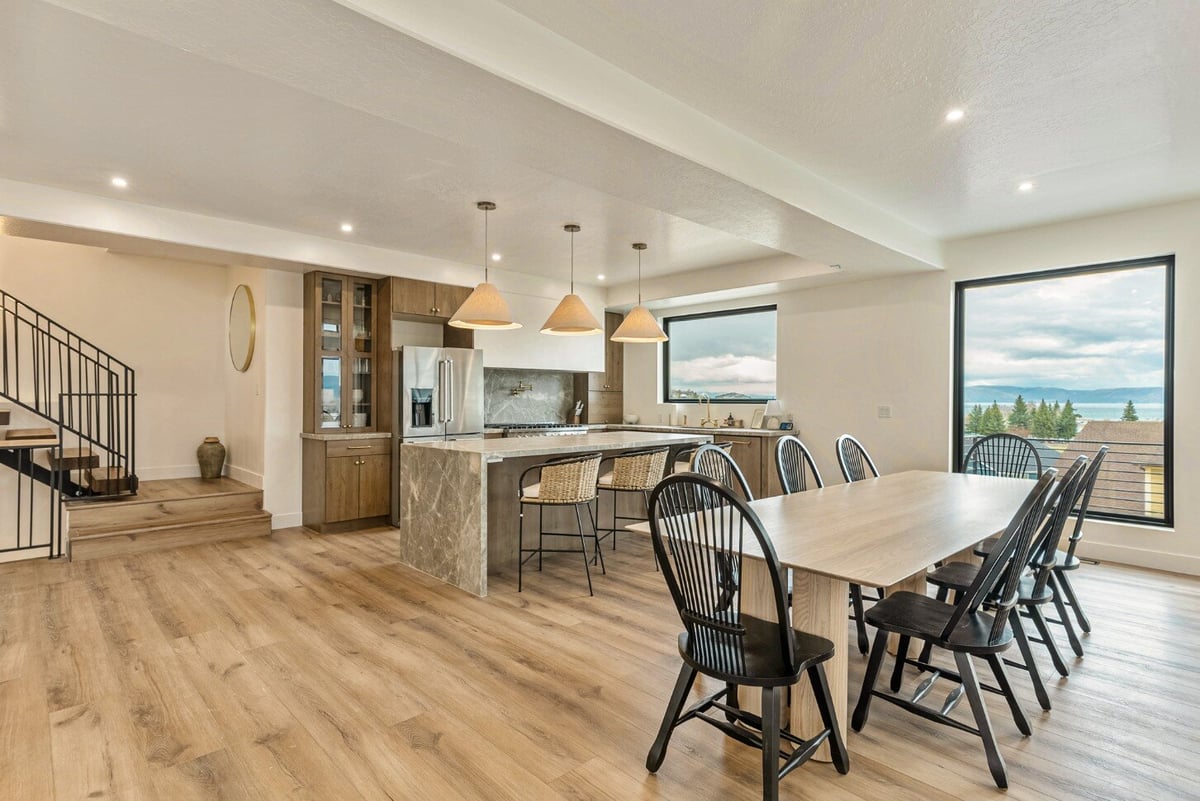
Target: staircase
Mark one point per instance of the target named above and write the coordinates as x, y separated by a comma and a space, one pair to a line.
81, 442
166, 514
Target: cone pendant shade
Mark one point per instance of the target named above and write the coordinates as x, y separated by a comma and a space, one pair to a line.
571, 318
639, 326
485, 307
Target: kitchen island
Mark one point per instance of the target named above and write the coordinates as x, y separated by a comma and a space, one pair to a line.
458, 499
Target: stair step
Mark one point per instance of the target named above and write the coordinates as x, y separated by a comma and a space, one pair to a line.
172, 535
109, 480
164, 502
31, 433
73, 459
5, 413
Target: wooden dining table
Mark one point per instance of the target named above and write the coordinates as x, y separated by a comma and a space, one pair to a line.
881, 532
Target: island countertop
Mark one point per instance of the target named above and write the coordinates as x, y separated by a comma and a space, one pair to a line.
494, 450
459, 505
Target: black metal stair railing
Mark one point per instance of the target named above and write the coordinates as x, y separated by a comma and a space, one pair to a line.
88, 397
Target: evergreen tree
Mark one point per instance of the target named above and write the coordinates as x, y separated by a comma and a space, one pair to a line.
1068, 421
1130, 414
1044, 424
1019, 416
993, 420
974, 419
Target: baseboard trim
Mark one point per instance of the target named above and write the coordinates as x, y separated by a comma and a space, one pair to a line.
289, 520
37, 552
1140, 557
245, 476
169, 471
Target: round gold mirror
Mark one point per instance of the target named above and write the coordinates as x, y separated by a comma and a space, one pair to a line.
241, 328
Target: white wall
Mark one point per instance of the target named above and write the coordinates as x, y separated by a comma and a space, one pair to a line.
283, 395
845, 349
164, 318
244, 391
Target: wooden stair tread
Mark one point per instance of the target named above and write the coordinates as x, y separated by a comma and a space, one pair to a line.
31, 433
79, 534
151, 492
5, 411
74, 459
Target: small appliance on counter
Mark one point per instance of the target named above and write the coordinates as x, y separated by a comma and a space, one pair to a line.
439, 396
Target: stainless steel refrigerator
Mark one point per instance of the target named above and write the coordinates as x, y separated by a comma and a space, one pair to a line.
439, 396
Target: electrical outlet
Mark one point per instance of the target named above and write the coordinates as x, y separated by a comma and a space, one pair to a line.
884, 411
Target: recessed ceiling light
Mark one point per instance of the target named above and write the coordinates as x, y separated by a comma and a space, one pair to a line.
1025, 186
496, 257
347, 228
955, 114
119, 182
600, 277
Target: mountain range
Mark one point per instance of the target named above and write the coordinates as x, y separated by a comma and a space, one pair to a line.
986, 393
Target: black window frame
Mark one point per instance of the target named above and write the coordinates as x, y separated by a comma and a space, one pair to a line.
1167, 261
666, 352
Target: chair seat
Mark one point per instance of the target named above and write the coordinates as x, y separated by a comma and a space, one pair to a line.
764, 665
959, 575
1062, 561
532, 494
920, 616
680, 467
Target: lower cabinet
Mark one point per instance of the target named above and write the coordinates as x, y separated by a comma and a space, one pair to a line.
347, 483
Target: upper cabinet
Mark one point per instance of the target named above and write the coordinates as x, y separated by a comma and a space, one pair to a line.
341, 325
426, 298
528, 348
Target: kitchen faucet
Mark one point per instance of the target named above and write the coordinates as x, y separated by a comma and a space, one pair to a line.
708, 418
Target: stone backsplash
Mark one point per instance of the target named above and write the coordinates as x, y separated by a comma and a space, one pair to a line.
549, 401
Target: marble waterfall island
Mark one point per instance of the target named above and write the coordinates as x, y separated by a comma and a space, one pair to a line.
458, 499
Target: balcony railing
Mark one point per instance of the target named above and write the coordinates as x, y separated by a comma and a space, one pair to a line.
1133, 483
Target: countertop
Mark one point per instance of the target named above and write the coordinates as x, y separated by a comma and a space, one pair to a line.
358, 435
515, 447
732, 431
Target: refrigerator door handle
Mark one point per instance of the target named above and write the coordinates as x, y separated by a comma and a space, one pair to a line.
450, 391
442, 391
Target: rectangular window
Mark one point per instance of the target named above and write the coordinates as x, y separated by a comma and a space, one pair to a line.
728, 356
1073, 359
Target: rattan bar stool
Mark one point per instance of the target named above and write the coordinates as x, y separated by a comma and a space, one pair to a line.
631, 471
566, 481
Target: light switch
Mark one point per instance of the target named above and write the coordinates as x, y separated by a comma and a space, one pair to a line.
884, 411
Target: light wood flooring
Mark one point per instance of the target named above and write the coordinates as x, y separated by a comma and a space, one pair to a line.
314, 667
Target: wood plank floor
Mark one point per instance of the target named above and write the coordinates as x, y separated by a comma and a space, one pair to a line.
314, 667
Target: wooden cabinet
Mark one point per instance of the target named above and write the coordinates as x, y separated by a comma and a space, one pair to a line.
347, 483
341, 328
427, 298
603, 393
747, 452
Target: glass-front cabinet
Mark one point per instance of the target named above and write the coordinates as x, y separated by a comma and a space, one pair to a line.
342, 333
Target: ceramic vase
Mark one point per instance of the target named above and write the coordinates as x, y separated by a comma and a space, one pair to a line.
211, 456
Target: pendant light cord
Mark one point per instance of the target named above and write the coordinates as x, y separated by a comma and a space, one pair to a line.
572, 262
639, 277
485, 246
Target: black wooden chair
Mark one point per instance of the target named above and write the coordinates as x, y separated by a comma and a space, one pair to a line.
855, 462
698, 524
854, 459
1066, 561
682, 461
715, 462
963, 629
794, 464
565, 481
1003, 455
1034, 591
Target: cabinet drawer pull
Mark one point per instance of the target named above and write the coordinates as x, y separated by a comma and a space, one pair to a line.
357, 447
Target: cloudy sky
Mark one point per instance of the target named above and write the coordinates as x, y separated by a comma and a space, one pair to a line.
725, 354
1080, 332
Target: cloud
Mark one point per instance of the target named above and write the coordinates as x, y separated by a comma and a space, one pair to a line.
750, 375
1087, 331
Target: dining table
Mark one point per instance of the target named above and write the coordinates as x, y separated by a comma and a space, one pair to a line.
882, 532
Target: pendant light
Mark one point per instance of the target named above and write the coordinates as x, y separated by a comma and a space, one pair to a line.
639, 325
485, 307
572, 317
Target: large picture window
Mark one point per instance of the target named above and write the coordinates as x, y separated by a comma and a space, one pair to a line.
728, 356
1074, 359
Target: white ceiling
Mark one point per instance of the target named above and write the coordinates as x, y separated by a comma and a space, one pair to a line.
1093, 100
718, 133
